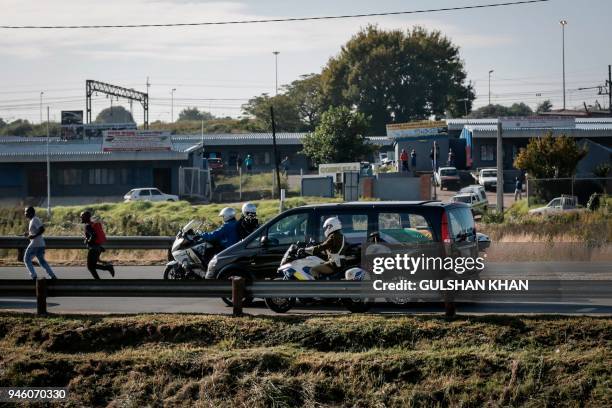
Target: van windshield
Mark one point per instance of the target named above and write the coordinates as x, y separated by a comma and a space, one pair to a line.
489, 173
448, 172
462, 199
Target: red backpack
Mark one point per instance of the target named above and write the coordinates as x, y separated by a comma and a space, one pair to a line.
100, 236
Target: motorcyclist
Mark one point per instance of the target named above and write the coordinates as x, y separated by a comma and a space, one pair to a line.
332, 249
248, 221
227, 234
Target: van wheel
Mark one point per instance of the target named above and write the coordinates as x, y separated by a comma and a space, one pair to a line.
247, 301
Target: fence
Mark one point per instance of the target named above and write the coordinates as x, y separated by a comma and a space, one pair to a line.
194, 182
541, 191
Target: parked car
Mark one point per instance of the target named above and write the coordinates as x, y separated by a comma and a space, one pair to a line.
149, 194
446, 176
477, 206
557, 205
215, 165
486, 177
259, 255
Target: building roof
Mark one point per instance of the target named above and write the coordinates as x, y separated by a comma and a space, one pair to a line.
252, 139
582, 129
31, 149
459, 124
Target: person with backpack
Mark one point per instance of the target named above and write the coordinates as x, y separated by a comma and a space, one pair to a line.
37, 245
94, 239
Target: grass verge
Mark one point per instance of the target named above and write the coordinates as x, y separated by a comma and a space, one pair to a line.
160, 360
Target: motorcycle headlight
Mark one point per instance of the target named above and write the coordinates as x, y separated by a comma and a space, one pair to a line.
212, 264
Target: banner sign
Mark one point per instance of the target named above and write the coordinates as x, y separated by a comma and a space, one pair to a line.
537, 122
136, 141
418, 128
74, 117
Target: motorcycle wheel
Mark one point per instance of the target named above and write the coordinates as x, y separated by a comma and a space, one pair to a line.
171, 273
356, 305
247, 301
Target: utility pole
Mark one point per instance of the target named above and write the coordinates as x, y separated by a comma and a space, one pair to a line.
276, 71
490, 72
563, 24
172, 105
41, 95
500, 169
48, 171
275, 153
610, 88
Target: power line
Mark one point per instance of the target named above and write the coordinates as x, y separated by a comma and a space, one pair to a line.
276, 20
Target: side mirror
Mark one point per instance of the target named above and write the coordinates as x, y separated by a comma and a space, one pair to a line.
263, 241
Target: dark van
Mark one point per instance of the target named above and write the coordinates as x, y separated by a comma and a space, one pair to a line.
259, 255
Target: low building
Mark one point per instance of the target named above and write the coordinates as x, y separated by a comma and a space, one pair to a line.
81, 168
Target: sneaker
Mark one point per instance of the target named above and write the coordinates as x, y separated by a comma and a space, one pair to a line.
111, 270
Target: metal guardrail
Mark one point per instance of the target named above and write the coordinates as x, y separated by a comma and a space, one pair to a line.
76, 242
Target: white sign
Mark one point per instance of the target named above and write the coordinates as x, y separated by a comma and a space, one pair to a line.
136, 141
537, 122
416, 129
335, 170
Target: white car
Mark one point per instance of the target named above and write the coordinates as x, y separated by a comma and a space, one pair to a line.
471, 199
480, 193
557, 205
446, 176
148, 194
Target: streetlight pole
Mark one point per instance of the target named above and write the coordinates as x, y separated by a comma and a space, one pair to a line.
490, 72
276, 71
48, 171
41, 95
563, 24
172, 105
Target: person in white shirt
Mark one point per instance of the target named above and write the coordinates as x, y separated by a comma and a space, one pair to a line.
37, 245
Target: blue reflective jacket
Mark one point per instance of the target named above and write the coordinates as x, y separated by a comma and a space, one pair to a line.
226, 235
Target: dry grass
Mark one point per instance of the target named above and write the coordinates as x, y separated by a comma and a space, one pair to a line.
169, 360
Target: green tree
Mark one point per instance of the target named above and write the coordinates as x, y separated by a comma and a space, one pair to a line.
194, 114
339, 137
286, 115
397, 76
2, 123
550, 157
116, 114
496, 111
307, 96
545, 106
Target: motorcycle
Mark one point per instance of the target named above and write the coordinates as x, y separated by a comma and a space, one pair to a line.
190, 254
297, 264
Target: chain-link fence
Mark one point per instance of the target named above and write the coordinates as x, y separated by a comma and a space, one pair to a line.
194, 183
542, 191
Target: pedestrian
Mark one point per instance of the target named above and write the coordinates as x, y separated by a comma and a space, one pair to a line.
248, 162
404, 160
413, 158
285, 165
451, 158
36, 248
94, 239
518, 189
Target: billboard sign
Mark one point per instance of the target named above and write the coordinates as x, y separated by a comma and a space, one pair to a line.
72, 117
417, 129
537, 122
136, 141
336, 170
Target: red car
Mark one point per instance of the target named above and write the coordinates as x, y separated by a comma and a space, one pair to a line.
215, 165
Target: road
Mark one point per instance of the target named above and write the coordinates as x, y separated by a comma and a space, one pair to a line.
543, 270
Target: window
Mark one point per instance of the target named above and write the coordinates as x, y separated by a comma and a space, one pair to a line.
487, 153
289, 230
461, 222
395, 227
69, 177
155, 192
556, 203
101, 176
483, 195
144, 193
354, 227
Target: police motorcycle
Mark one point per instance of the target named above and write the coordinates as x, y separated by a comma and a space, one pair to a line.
190, 254
297, 265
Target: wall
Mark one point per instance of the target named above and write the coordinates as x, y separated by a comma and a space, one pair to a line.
423, 147
262, 155
393, 187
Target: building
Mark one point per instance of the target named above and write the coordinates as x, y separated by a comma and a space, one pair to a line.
81, 168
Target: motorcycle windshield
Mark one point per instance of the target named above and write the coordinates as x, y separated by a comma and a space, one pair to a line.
192, 225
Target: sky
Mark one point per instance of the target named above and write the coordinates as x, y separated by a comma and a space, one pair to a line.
218, 68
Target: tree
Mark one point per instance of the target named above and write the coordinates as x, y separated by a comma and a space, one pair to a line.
397, 76
285, 112
550, 157
307, 96
116, 114
339, 137
496, 111
194, 114
545, 106
2, 123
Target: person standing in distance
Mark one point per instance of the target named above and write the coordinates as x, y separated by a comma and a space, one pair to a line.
94, 239
37, 245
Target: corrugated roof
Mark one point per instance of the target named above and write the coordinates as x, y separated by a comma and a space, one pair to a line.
581, 130
233, 139
458, 124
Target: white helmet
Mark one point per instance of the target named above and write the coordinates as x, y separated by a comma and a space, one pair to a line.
227, 213
330, 225
249, 209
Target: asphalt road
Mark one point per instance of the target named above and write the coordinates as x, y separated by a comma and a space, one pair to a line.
543, 270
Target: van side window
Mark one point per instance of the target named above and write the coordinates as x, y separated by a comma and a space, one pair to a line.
399, 227
289, 230
354, 227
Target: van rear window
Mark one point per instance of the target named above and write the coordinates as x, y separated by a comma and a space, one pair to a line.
461, 222
398, 227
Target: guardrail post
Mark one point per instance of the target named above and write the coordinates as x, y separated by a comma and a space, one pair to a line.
449, 308
238, 293
41, 297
